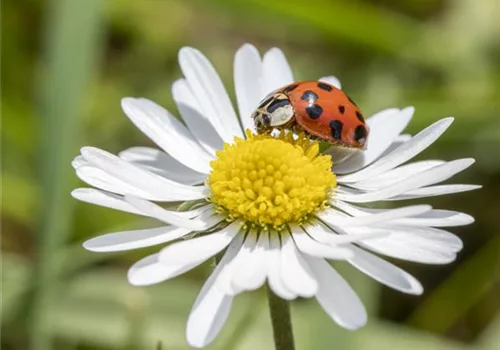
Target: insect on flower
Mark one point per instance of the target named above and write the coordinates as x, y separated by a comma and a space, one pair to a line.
317, 108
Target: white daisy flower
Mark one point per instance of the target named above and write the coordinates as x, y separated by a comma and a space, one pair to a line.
276, 207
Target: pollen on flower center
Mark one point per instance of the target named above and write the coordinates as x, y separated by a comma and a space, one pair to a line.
271, 180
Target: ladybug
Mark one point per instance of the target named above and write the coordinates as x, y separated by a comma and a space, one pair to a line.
319, 109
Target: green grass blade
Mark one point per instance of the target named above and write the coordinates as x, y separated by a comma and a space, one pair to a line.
70, 49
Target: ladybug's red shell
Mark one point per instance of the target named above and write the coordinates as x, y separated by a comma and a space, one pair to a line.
326, 112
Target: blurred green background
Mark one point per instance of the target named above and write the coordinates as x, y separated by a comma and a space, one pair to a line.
66, 64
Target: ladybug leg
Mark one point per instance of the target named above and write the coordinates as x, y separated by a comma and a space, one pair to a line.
296, 128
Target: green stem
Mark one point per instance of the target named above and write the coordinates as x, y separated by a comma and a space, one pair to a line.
281, 321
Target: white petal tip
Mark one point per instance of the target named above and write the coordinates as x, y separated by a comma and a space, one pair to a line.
415, 287
89, 245
194, 341
417, 291
355, 326
135, 283
274, 50
246, 46
129, 103
467, 219
196, 345
185, 51
139, 281
133, 280
408, 112
86, 149
126, 100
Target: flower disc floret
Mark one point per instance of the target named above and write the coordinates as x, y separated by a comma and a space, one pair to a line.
269, 180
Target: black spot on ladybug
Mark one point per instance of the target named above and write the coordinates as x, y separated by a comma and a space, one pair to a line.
290, 88
341, 109
266, 119
350, 99
314, 111
360, 117
324, 86
310, 96
277, 104
336, 129
265, 102
360, 134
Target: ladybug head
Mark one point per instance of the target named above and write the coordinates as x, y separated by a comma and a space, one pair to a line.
275, 111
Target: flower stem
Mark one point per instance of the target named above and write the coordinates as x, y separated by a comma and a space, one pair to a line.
282, 324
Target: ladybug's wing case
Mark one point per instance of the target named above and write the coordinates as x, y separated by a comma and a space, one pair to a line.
328, 113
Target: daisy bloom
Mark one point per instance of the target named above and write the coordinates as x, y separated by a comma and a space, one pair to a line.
274, 207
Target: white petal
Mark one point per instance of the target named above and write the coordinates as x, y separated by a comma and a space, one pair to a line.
156, 187
200, 248
126, 240
162, 164
434, 217
385, 272
78, 162
203, 222
225, 280
149, 271
354, 210
208, 317
192, 114
370, 219
105, 199
433, 238
400, 250
252, 275
403, 138
392, 176
437, 218
312, 247
403, 153
433, 191
205, 209
332, 81
211, 308
336, 297
167, 132
248, 82
212, 97
274, 272
423, 245
96, 177
429, 177
277, 71
384, 127
295, 273
324, 234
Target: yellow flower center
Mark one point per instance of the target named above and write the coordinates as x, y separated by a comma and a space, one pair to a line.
272, 181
